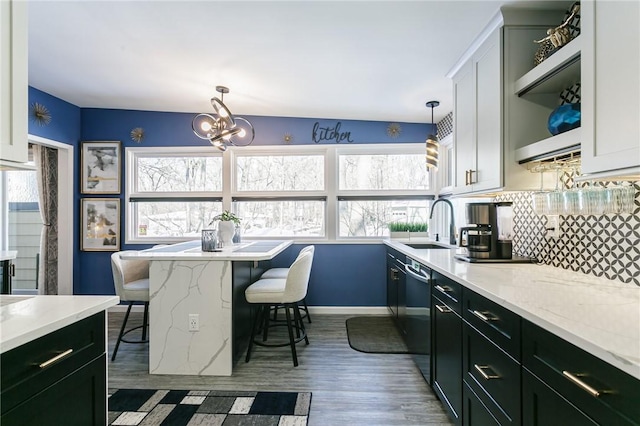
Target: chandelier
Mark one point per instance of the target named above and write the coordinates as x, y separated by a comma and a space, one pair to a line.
221, 128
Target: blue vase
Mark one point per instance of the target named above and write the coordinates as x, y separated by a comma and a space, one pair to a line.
564, 118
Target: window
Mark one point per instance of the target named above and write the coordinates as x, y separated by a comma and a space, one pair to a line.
314, 192
172, 196
280, 195
377, 188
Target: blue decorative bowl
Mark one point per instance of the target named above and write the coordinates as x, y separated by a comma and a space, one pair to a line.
564, 118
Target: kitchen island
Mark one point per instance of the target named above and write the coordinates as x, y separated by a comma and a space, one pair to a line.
195, 302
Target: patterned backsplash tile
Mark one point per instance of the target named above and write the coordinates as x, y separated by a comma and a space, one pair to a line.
604, 245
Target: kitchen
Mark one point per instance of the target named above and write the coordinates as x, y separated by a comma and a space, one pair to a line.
366, 289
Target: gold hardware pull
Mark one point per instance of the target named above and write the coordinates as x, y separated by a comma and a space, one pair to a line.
486, 376
56, 358
444, 289
471, 181
443, 309
484, 316
466, 177
580, 383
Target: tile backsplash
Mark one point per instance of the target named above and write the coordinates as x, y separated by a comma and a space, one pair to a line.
604, 245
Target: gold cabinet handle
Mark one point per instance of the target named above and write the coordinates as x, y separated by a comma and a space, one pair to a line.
471, 181
443, 309
484, 316
466, 177
442, 289
593, 392
56, 358
481, 369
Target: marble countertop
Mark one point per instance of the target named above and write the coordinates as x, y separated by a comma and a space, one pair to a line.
191, 250
26, 318
598, 315
8, 255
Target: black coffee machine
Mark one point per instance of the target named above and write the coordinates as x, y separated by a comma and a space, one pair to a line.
488, 236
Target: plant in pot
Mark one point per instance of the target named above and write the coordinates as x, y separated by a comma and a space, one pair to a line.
227, 223
407, 229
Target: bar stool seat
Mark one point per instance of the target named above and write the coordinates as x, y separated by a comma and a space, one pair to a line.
277, 292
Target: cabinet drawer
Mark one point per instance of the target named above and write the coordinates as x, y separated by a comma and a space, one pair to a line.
497, 323
448, 291
603, 392
542, 406
29, 368
79, 399
493, 375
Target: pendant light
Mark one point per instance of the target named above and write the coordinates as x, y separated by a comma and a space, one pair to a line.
432, 141
222, 128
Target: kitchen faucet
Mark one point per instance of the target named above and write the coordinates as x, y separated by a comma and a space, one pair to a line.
452, 225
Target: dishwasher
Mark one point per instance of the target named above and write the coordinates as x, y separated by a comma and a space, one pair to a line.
417, 319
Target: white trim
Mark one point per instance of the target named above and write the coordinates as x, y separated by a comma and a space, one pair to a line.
65, 210
320, 310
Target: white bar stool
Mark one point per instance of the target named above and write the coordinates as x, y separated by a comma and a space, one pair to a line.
131, 281
288, 292
281, 273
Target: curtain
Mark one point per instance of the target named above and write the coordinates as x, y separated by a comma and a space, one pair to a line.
46, 160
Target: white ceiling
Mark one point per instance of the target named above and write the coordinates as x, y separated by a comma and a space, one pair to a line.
364, 60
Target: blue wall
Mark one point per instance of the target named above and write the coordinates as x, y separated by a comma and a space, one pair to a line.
343, 274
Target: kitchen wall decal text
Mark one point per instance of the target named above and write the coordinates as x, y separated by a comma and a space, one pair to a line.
329, 133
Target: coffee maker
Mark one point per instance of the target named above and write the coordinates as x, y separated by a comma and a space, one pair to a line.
488, 236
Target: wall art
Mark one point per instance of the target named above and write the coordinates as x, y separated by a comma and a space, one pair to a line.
100, 224
101, 163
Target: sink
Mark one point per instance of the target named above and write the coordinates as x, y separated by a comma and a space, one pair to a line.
426, 246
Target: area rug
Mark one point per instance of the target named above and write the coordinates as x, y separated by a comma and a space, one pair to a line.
152, 407
375, 334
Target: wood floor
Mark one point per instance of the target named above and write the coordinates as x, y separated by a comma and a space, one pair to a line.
349, 387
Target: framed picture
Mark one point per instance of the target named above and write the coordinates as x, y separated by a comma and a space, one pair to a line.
101, 166
100, 224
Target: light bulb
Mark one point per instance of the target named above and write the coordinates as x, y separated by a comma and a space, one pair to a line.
222, 112
242, 133
206, 126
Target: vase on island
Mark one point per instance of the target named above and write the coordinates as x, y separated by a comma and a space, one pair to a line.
226, 231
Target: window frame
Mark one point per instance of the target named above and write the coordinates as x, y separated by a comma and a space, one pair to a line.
132, 195
331, 193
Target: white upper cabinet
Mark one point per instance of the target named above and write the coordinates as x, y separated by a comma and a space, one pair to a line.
490, 120
610, 87
13, 82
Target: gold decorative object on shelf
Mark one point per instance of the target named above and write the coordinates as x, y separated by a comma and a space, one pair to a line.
556, 37
287, 138
40, 114
394, 130
137, 134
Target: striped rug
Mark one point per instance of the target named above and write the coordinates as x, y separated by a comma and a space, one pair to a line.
153, 407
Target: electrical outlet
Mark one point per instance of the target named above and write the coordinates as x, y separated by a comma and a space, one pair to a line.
194, 322
553, 227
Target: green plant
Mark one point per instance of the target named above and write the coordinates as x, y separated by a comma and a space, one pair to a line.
227, 216
407, 226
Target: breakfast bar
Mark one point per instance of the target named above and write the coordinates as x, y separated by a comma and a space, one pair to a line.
196, 304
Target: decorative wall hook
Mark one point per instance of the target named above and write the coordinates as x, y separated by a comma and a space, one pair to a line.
394, 130
40, 114
137, 134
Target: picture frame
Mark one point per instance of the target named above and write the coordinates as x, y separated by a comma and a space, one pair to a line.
101, 164
100, 219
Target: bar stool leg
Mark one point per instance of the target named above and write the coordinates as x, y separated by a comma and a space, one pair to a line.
299, 320
256, 321
145, 321
124, 324
306, 309
291, 340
